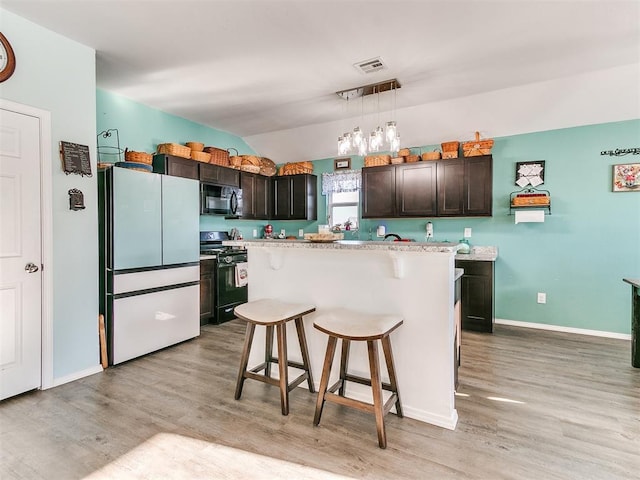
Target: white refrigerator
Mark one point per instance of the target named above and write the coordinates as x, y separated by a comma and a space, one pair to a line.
150, 252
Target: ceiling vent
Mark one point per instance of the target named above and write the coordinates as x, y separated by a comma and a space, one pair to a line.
370, 66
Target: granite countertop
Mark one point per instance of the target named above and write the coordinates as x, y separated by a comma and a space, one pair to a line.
477, 253
346, 245
633, 281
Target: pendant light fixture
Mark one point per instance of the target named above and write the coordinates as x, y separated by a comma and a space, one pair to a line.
356, 141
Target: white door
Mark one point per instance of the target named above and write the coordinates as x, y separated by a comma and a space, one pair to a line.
20, 254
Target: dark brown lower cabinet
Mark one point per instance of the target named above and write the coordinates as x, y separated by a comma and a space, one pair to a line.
477, 296
207, 290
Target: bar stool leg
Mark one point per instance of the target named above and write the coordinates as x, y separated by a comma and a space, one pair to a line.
324, 380
302, 339
376, 386
283, 364
244, 359
391, 369
344, 360
268, 351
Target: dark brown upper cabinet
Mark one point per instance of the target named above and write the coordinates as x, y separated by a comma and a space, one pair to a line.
295, 197
175, 166
378, 192
407, 190
256, 196
447, 188
217, 175
465, 186
416, 190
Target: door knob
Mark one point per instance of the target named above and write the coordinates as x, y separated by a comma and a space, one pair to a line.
31, 267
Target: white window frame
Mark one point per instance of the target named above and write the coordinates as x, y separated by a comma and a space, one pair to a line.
331, 203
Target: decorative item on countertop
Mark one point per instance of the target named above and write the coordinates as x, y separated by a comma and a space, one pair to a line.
403, 152
450, 149
412, 158
463, 246
427, 156
203, 157
219, 156
323, 237
296, 168
397, 160
174, 149
137, 157
195, 146
477, 147
377, 160
267, 167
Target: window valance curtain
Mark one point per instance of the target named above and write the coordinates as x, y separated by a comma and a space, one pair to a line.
338, 182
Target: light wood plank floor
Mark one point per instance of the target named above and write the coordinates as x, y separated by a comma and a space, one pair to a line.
532, 405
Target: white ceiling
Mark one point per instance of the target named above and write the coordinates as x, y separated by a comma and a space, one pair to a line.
250, 67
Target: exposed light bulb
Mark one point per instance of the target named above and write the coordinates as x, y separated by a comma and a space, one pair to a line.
374, 146
358, 137
394, 144
391, 131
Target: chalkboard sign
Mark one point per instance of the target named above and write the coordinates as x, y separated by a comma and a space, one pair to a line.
75, 158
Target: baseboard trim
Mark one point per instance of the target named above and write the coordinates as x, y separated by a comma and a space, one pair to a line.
558, 328
76, 376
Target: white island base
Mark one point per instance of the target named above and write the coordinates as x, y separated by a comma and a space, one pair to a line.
415, 281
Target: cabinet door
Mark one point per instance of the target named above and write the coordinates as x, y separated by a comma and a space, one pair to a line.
378, 192
180, 220
262, 197
248, 184
450, 187
207, 291
303, 197
217, 175
478, 184
477, 295
281, 198
137, 219
416, 190
176, 166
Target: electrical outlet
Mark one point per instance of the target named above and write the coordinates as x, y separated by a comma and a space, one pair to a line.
255, 233
542, 297
301, 232
467, 233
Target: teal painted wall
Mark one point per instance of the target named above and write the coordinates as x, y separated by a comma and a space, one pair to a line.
56, 74
578, 256
142, 128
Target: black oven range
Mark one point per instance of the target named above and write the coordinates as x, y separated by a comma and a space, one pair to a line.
220, 289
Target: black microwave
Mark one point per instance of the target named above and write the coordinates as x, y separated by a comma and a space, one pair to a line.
220, 200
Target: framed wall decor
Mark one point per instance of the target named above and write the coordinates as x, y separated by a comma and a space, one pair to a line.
530, 173
342, 163
626, 177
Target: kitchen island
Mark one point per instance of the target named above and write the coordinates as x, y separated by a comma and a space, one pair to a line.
414, 280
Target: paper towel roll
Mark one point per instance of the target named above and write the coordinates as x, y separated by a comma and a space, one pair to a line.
524, 216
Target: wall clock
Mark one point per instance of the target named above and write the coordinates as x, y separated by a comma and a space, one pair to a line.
7, 59
530, 173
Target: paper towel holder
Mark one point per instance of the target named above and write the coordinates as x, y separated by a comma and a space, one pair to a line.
528, 198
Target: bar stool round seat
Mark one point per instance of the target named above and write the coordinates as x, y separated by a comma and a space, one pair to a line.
349, 325
274, 313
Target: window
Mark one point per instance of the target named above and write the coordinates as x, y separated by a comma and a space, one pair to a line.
343, 196
343, 207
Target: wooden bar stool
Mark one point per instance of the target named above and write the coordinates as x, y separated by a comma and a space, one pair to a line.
355, 326
274, 313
